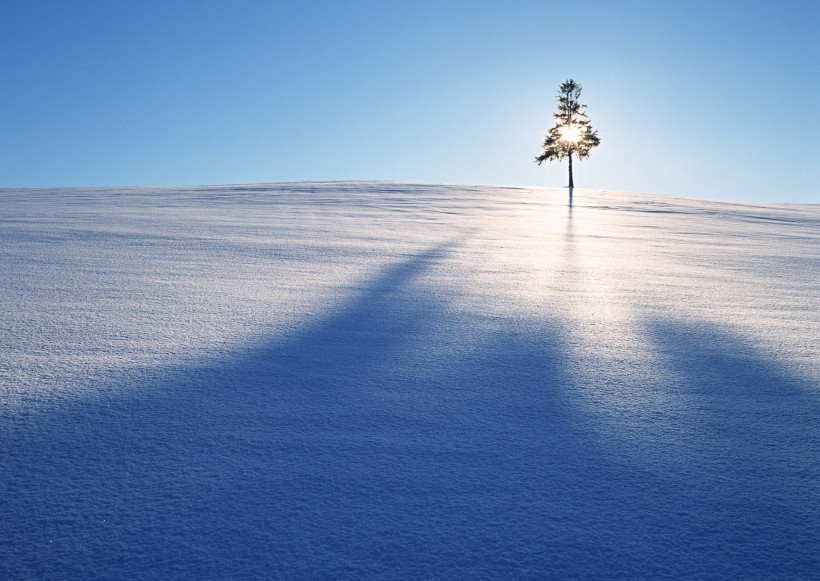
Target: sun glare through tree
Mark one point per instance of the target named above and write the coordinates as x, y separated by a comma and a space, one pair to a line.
572, 133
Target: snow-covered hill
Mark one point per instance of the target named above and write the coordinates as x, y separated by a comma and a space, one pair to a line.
380, 380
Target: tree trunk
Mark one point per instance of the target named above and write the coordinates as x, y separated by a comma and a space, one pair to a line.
571, 184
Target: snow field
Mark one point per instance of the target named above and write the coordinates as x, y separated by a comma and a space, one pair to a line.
378, 380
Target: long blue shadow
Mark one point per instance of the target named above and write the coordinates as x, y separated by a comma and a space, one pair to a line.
396, 438
748, 455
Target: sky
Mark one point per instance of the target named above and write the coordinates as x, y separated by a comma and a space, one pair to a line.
705, 99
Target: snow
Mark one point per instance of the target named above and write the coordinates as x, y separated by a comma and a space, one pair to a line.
381, 380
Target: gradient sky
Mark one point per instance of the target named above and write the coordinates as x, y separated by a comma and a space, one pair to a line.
713, 99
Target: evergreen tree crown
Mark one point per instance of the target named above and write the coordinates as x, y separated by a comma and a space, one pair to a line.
572, 133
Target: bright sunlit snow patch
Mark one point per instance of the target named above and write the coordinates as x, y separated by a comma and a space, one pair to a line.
377, 380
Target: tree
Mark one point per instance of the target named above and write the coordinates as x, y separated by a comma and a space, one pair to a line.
573, 133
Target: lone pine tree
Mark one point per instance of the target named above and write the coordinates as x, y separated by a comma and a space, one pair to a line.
573, 133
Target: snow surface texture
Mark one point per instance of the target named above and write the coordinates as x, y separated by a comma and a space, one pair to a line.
370, 380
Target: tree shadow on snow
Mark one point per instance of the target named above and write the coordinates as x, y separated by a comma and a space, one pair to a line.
396, 438
748, 452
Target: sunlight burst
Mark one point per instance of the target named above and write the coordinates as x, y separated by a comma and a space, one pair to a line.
571, 133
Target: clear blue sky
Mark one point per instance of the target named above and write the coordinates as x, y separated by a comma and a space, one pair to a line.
713, 99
